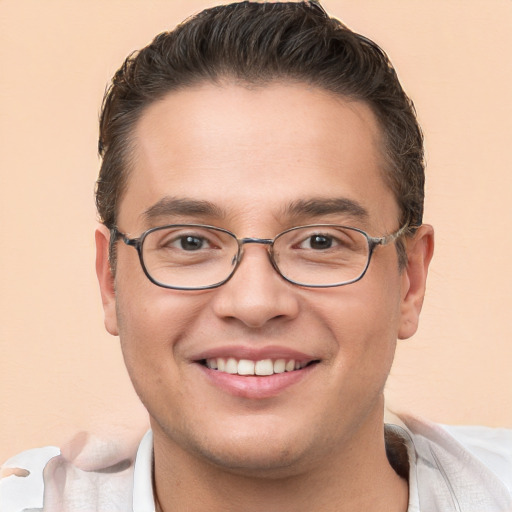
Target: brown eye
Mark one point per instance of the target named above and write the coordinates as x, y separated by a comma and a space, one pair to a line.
320, 242
191, 243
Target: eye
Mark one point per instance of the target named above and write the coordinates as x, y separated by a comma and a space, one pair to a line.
318, 242
183, 241
190, 243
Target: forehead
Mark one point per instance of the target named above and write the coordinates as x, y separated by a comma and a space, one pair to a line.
252, 151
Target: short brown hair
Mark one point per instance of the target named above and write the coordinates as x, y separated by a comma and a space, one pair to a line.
256, 43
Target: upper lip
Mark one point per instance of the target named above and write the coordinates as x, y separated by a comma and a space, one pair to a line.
254, 354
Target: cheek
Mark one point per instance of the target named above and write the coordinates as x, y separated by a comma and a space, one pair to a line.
153, 328
364, 321
152, 322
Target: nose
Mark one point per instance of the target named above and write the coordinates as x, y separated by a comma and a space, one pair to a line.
256, 294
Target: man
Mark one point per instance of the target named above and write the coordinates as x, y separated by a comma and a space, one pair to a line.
261, 250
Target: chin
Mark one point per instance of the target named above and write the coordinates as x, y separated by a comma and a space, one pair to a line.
259, 447
263, 458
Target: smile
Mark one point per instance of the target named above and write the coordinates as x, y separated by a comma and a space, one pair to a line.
262, 367
255, 374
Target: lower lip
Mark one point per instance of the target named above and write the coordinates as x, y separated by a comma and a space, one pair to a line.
256, 387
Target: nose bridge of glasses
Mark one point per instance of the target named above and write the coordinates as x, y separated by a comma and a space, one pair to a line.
264, 241
249, 240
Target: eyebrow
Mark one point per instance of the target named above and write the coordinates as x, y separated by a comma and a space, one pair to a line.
317, 207
168, 206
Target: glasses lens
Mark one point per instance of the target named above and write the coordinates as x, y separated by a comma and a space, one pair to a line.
322, 255
188, 256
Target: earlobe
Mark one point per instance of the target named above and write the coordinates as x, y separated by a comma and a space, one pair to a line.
106, 279
420, 249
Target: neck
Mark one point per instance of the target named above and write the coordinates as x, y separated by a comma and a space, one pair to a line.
355, 477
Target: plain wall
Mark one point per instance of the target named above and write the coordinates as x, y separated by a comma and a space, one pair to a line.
59, 370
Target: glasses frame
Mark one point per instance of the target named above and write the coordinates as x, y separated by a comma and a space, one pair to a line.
373, 242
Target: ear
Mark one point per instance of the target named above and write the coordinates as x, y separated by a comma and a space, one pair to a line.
419, 253
106, 279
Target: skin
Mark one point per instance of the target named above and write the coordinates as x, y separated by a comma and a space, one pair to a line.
318, 443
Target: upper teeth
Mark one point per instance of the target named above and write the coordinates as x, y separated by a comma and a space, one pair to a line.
248, 367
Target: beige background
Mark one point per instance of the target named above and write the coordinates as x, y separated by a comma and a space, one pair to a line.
60, 372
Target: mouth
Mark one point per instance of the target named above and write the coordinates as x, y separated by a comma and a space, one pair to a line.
256, 374
248, 367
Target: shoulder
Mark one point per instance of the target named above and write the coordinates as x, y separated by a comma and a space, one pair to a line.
470, 466
21, 479
87, 473
491, 446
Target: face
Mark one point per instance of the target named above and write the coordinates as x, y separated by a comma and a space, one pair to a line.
251, 154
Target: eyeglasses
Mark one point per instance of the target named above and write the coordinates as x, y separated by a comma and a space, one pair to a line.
199, 257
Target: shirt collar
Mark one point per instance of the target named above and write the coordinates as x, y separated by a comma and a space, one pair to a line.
402, 432
143, 499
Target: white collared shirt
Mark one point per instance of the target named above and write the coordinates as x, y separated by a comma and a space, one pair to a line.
459, 469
